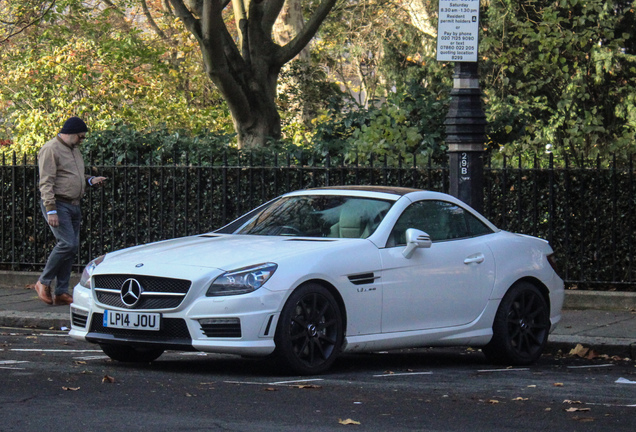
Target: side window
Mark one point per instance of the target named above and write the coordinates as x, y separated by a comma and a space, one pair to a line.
475, 226
439, 219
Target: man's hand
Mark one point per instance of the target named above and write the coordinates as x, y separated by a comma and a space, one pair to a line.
97, 180
53, 220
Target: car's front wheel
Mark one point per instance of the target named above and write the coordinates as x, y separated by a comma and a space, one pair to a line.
310, 330
128, 354
520, 328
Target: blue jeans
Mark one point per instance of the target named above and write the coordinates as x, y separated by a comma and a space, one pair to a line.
60, 262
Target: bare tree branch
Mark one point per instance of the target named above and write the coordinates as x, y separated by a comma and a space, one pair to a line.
166, 6
32, 23
114, 7
122, 15
154, 25
294, 47
184, 14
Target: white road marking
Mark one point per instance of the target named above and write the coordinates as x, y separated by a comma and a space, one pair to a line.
403, 374
51, 350
274, 383
590, 366
503, 370
8, 362
611, 405
12, 362
97, 357
296, 381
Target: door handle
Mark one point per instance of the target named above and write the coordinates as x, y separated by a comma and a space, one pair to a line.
477, 258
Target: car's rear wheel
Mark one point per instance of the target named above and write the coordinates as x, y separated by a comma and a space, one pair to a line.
520, 328
310, 330
128, 354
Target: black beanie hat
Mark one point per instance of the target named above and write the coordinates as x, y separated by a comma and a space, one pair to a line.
74, 125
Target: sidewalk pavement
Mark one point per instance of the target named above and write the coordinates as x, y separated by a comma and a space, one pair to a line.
602, 321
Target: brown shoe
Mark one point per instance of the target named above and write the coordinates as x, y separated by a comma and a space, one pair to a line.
44, 292
63, 299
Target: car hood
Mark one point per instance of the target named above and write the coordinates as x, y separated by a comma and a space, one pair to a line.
222, 251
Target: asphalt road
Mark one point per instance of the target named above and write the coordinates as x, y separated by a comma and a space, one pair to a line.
50, 382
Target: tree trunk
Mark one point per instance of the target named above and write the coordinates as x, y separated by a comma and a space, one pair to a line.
247, 74
256, 127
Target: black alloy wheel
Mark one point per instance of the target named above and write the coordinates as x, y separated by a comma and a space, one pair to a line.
310, 330
520, 328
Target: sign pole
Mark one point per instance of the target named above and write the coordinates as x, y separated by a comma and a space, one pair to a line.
457, 41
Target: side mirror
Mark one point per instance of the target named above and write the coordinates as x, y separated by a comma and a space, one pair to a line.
415, 239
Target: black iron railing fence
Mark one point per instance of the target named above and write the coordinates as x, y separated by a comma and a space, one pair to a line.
587, 214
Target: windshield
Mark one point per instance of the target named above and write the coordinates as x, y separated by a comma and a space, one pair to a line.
318, 216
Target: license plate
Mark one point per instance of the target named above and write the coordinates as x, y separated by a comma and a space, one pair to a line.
132, 320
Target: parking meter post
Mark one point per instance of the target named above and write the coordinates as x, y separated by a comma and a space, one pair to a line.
466, 136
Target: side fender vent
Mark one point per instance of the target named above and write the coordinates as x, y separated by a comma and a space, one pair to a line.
363, 278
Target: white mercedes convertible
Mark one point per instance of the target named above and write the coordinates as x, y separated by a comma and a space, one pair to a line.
320, 272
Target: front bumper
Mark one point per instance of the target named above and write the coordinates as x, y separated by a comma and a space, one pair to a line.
243, 324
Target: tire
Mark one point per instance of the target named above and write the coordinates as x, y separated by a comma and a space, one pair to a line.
310, 331
128, 354
521, 327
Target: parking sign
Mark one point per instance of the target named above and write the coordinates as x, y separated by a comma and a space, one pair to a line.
458, 30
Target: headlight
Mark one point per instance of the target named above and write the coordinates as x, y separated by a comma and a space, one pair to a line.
85, 281
241, 281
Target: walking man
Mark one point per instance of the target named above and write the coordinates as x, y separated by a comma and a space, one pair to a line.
62, 185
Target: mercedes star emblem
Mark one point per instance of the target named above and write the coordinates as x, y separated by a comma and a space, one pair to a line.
131, 292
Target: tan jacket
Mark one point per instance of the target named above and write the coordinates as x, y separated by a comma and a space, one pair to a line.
62, 175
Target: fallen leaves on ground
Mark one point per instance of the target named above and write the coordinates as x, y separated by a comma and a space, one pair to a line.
520, 399
589, 354
108, 379
308, 386
70, 388
584, 352
348, 422
574, 409
558, 384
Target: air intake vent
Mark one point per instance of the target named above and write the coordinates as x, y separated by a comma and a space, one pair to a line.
221, 327
362, 279
79, 319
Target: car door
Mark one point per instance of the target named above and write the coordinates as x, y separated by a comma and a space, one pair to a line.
445, 285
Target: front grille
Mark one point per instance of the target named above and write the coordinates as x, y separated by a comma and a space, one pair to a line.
158, 292
78, 320
173, 330
147, 301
